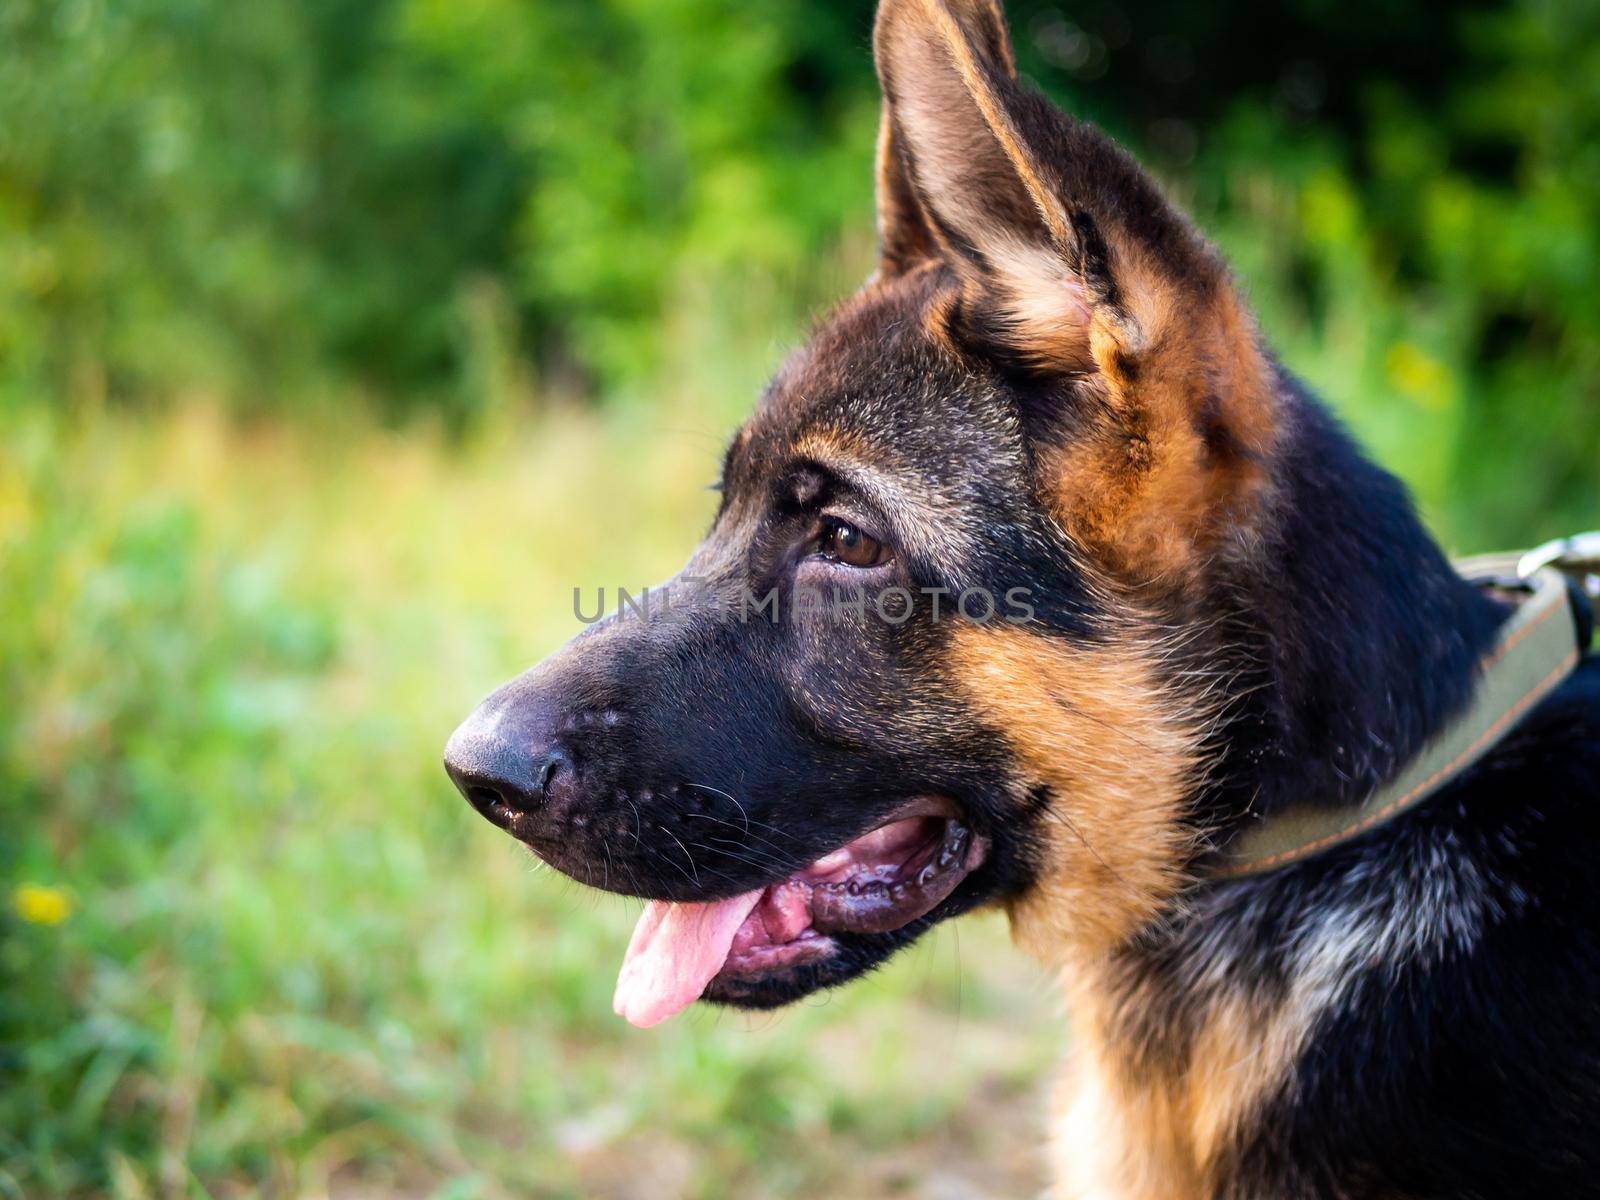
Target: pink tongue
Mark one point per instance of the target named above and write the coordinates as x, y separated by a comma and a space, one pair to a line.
674, 952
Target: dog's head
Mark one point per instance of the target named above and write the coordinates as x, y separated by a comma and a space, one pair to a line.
929, 655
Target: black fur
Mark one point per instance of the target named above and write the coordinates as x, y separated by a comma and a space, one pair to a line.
1354, 639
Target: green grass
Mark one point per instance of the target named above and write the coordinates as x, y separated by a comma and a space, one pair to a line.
295, 963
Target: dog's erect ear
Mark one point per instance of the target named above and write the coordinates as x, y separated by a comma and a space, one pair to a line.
942, 135
1073, 264
906, 237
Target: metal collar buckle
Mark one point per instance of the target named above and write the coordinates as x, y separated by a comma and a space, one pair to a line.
1577, 556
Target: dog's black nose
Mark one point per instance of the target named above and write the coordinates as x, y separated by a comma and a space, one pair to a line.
499, 778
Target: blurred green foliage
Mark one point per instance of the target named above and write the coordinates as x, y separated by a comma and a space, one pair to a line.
250, 941
269, 196
419, 200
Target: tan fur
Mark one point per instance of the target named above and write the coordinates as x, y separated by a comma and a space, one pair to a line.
1131, 1127
1046, 308
936, 320
1145, 490
935, 61
841, 450
1118, 754
1112, 1142
1240, 1057
1089, 722
959, 45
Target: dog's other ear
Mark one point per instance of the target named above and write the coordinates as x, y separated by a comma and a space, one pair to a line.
1073, 265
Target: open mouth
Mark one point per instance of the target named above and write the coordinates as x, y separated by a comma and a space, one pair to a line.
881, 881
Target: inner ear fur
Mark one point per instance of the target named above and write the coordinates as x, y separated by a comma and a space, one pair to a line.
907, 236
1071, 263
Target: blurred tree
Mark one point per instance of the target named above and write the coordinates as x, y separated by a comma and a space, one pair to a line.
281, 201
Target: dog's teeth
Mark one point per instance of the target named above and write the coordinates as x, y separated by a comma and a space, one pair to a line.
927, 872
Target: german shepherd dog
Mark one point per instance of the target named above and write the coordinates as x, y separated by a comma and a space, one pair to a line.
1204, 605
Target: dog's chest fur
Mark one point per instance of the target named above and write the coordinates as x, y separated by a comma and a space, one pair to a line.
1393, 1019
1183, 1042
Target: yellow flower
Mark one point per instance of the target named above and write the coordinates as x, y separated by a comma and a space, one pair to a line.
39, 904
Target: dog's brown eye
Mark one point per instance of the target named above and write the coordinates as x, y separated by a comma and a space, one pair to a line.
852, 547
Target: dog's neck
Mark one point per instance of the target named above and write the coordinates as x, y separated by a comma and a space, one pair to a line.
1349, 645
1355, 639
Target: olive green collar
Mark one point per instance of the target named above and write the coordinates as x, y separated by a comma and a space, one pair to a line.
1535, 650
